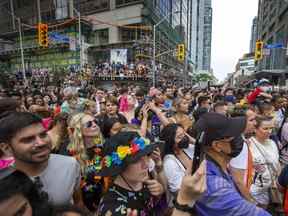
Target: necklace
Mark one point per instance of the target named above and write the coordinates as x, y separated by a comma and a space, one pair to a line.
137, 197
127, 183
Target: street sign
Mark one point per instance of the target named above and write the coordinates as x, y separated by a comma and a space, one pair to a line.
273, 46
58, 37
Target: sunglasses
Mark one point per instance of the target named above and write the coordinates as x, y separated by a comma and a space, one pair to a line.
89, 124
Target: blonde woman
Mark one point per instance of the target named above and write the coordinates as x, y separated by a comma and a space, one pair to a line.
181, 116
90, 107
266, 164
86, 144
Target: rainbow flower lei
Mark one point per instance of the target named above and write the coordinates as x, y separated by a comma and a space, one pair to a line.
117, 157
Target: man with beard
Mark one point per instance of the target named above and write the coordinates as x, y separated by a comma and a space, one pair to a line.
58, 177
222, 141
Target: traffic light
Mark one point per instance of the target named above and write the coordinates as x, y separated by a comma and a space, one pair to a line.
258, 50
181, 52
43, 35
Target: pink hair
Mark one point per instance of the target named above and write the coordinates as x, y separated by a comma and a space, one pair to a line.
123, 105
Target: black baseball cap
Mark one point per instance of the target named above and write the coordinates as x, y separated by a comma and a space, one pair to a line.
218, 126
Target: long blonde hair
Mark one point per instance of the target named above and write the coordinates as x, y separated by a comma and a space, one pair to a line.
77, 146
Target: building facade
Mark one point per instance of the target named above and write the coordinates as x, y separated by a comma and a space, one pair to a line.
272, 28
60, 54
253, 38
201, 33
105, 25
245, 69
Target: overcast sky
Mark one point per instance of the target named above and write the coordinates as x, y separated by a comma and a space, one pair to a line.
232, 21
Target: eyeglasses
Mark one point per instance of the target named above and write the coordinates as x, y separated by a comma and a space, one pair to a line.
89, 124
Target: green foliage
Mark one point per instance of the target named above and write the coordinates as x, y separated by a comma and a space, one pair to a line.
203, 77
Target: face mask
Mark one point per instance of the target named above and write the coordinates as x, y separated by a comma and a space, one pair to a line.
236, 146
184, 143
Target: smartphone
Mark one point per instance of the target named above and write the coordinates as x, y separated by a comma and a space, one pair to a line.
198, 152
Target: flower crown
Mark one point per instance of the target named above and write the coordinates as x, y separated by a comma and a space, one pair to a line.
117, 157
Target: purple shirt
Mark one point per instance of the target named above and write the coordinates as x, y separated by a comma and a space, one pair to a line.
222, 198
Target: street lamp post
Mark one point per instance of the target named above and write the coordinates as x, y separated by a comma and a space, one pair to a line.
154, 45
21, 50
186, 74
80, 35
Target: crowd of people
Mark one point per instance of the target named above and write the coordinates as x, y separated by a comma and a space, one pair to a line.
122, 70
127, 151
104, 69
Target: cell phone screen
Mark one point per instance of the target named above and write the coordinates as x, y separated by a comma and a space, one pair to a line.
198, 153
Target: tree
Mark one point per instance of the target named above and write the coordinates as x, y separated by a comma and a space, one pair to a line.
204, 77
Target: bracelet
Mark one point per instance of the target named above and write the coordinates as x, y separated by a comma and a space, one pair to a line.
184, 208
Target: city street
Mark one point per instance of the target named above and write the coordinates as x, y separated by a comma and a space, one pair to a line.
143, 108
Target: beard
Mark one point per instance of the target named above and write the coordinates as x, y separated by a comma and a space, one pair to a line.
30, 157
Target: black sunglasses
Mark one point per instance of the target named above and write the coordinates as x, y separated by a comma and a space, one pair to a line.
89, 124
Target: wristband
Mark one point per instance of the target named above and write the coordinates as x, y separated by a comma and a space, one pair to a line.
184, 208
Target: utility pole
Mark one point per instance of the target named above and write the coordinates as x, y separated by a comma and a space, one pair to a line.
13, 15
186, 75
21, 50
39, 11
154, 57
80, 37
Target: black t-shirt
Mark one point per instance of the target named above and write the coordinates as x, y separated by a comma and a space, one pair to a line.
283, 178
117, 200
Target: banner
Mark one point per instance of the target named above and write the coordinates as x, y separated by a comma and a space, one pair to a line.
118, 56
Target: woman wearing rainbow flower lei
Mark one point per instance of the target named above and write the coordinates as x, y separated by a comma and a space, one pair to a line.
86, 144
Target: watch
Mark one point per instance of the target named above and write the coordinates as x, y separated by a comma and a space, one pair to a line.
184, 208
